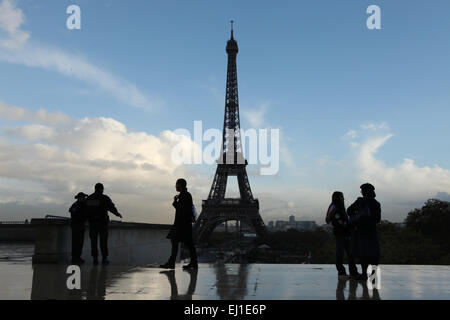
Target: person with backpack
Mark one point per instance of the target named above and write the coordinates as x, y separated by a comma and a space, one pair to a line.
98, 205
337, 216
364, 215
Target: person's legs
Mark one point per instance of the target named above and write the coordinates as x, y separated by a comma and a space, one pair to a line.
104, 240
93, 234
74, 241
81, 243
170, 264
364, 266
351, 261
340, 254
173, 254
77, 241
193, 254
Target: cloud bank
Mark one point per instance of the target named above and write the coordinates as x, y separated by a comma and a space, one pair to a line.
403, 186
46, 158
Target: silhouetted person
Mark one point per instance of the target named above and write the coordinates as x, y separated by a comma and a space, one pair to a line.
77, 223
337, 216
98, 206
364, 215
181, 230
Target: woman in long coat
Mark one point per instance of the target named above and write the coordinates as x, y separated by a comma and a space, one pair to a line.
181, 230
364, 215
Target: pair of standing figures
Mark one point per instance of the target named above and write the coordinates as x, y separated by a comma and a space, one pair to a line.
93, 208
355, 230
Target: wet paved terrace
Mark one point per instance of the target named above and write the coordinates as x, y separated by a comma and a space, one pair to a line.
20, 280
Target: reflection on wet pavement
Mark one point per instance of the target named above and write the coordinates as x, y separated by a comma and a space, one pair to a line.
220, 281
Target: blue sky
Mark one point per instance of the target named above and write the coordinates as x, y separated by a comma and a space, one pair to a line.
351, 103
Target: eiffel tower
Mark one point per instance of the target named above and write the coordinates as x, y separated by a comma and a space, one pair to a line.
217, 209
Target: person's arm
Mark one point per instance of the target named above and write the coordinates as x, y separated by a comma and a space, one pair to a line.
175, 201
112, 208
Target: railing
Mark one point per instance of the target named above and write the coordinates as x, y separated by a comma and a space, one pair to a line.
49, 216
14, 222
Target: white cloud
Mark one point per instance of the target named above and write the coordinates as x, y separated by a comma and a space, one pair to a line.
61, 159
401, 187
11, 19
351, 134
403, 182
41, 116
16, 49
256, 116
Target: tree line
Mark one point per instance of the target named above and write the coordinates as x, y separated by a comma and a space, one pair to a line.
423, 238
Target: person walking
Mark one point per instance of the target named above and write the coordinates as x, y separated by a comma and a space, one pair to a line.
181, 230
337, 216
77, 224
364, 215
98, 205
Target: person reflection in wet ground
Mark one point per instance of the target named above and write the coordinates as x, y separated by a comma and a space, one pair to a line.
97, 284
98, 205
174, 288
181, 230
364, 215
77, 223
352, 290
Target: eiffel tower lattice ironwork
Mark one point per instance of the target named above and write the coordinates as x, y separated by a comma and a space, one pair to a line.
217, 209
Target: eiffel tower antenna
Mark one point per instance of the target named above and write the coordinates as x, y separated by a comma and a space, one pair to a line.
217, 209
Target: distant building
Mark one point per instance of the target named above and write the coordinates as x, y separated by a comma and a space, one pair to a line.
291, 219
281, 225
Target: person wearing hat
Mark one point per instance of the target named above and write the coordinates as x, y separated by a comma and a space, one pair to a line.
364, 215
77, 224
